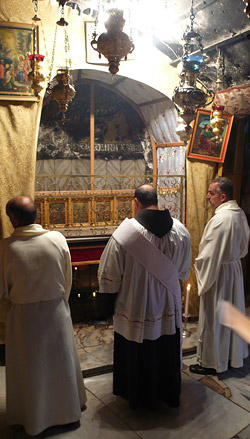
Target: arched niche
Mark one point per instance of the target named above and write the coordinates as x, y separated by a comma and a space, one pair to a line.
88, 168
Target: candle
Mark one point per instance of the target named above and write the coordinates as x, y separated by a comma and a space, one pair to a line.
187, 299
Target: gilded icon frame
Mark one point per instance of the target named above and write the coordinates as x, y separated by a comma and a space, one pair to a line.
202, 145
17, 40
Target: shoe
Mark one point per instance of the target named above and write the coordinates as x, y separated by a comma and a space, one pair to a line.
196, 368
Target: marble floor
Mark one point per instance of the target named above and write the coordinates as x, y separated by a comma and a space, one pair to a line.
211, 406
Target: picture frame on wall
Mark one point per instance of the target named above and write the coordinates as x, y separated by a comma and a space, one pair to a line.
16, 42
202, 145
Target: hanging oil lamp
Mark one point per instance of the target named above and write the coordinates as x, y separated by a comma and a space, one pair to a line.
113, 44
63, 92
187, 96
36, 75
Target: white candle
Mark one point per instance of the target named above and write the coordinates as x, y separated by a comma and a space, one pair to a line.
187, 299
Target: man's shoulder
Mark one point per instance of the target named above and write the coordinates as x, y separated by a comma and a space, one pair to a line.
179, 227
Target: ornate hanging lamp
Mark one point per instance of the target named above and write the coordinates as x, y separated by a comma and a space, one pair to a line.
63, 91
113, 44
187, 96
36, 75
217, 121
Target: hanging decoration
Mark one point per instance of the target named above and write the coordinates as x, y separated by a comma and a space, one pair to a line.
63, 91
217, 121
36, 75
62, 21
187, 96
220, 68
113, 44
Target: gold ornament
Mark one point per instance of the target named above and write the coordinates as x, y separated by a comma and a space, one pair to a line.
63, 92
113, 44
36, 76
217, 121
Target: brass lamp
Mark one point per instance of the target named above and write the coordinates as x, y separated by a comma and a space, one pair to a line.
36, 76
187, 96
63, 92
113, 44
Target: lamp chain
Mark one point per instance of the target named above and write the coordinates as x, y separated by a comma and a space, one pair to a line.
35, 6
192, 16
52, 59
67, 49
97, 17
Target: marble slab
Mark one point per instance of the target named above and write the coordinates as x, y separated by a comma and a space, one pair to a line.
94, 342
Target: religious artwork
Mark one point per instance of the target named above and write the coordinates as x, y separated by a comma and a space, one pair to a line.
80, 212
16, 42
103, 211
124, 209
203, 144
57, 213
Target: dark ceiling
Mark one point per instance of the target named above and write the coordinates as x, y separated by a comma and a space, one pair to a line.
223, 26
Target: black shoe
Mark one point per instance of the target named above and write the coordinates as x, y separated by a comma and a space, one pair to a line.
196, 368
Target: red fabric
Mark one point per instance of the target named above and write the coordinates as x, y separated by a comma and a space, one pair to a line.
88, 254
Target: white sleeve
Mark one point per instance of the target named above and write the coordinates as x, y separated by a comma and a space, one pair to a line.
68, 275
212, 253
110, 269
182, 254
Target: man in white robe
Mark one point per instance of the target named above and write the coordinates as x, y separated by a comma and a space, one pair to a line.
44, 385
148, 313
219, 277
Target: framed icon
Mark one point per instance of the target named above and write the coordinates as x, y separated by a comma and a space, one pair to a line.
203, 145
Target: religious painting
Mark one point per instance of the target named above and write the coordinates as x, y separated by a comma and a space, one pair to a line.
203, 144
80, 212
103, 211
16, 42
57, 214
124, 209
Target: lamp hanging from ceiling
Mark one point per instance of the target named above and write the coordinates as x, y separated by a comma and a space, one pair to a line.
36, 75
187, 96
63, 91
113, 44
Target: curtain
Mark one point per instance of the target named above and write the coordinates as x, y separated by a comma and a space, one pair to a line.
199, 176
171, 175
161, 119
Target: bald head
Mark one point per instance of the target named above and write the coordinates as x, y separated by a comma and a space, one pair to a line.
146, 195
21, 210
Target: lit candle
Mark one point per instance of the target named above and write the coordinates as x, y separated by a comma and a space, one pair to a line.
187, 299
94, 294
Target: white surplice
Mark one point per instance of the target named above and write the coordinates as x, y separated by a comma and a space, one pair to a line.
144, 309
43, 378
219, 276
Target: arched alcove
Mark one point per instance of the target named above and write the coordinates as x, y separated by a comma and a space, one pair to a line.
88, 168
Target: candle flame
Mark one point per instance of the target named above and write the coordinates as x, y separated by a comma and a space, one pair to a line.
188, 287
